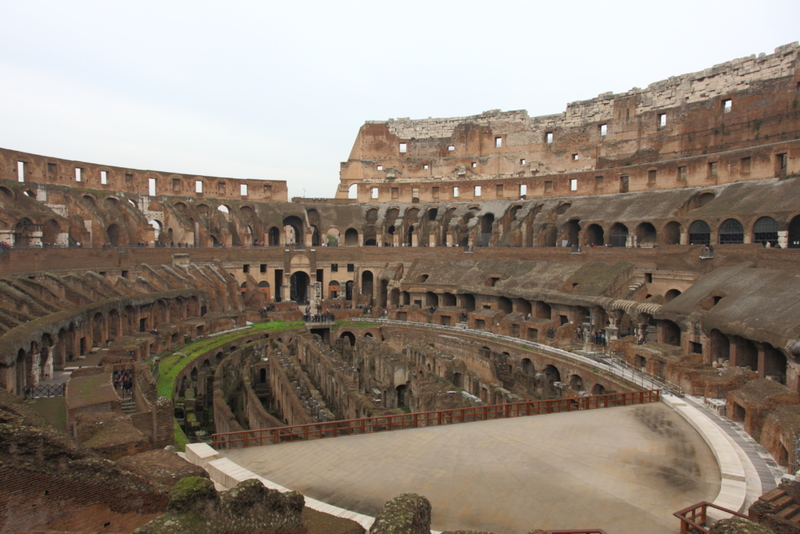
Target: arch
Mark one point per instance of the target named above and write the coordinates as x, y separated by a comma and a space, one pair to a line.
352, 191
699, 233
670, 333
731, 231
7, 192
467, 302
598, 389
595, 236
671, 234
273, 236
298, 288
349, 336
701, 199
50, 232
576, 383
157, 227
671, 294
367, 281
542, 310
549, 235
431, 299
550, 375
115, 235
618, 235
293, 230
720, 349
351, 237
646, 234
528, 367
765, 230
25, 233
572, 232
504, 304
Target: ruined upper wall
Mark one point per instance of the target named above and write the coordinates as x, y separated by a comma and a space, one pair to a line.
742, 104
24, 167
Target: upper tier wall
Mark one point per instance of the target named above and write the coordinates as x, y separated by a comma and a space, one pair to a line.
741, 104
25, 167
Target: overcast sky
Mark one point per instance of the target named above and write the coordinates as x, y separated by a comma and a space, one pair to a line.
278, 90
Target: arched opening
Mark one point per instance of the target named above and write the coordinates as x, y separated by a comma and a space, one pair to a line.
351, 237
350, 337
402, 391
348, 290
333, 289
431, 299
774, 364
527, 367
293, 230
50, 233
157, 227
298, 289
576, 383
646, 234
618, 235
114, 235
485, 234
467, 302
598, 389
551, 375
699, 233
720, 347
352, 191
549, 234
670, 333
26, 233
274, 237
594, 235
366, 283
671, 294
542, 310
731, 232
766, 231
573, 232
448, 299
504, 304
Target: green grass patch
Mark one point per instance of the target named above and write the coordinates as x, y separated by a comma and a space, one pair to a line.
179, 437
178, 360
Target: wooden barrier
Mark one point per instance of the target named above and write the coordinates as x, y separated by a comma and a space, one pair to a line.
385, 423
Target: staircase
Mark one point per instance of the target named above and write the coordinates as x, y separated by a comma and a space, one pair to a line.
129, 406
776, 502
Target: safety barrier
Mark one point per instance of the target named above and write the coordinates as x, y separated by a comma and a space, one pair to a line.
367, 425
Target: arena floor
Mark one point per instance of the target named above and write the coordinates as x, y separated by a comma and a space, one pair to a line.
625, 470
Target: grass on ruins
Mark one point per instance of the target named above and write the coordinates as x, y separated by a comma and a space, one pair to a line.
177, 360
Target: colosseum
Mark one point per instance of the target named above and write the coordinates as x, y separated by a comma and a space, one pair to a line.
466, 267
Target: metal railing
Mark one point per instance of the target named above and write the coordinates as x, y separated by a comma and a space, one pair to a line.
43, 391
693, 518
383, 423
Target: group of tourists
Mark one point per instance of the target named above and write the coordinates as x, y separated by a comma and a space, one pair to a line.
124, 380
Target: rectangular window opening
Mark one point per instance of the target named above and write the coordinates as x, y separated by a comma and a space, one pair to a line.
548, 186
104, 177
435, 193
744, 165
395, 192
499, 190
781, 163
682, 174
51, 168
451, 148
477, 191
379, 167
623, 183
334, 267
243, 190
374, 193
548, 137
574, 157
603, 129
662, 120
498, 142
20, 171
128, 178
198, 186
351, 267
651, 177
151, 185
522, 161
573, 184
267, 191
78, 174
727, 105
455, 192
474, 164
712, 169
263, 268
523, 190
403, 148
425, 166
245, 268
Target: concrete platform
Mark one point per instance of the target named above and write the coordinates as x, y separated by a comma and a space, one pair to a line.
625, 470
